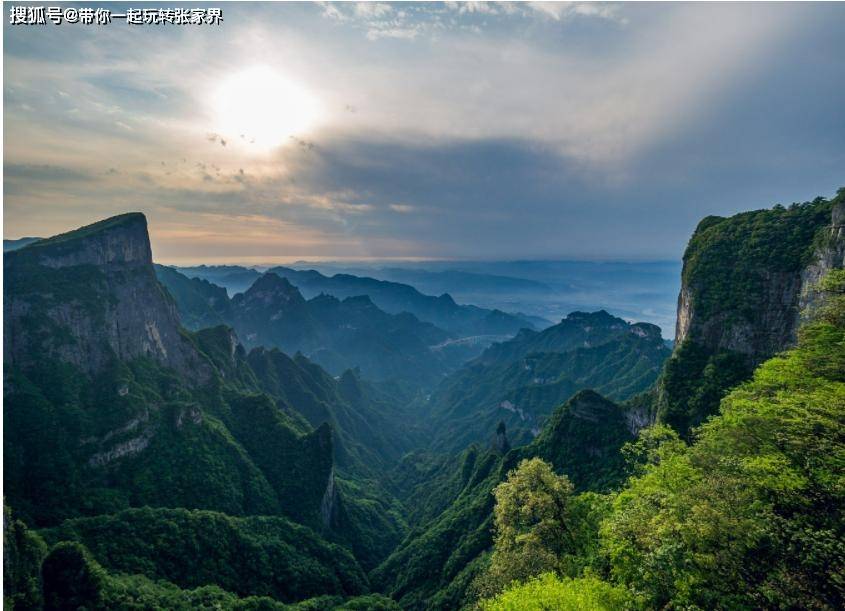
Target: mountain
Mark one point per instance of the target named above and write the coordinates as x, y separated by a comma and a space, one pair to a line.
725, 511
393, 297
746, 281
111, 405
122, 313
99, 369
234, 278
201, 304
153, 466
9, 245
434, 567
548, 290
337, 334
522, 380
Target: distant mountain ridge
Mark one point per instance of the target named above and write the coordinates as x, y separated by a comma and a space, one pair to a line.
337, 334
9, 245
392, 297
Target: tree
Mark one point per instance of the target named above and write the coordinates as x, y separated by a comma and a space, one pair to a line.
531, 523
550, 592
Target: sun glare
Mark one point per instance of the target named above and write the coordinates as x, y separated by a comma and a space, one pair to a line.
262, 109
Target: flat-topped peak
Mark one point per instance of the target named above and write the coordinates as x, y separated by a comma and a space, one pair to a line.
600, 316
121, 239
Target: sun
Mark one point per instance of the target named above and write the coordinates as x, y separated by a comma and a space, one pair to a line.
262, 109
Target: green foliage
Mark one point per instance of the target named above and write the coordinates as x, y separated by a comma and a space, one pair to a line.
728, 259
532, 525
72, 580
751, 514
286, 561
23, 552
832, 287
551, 592
693, 382
436, 565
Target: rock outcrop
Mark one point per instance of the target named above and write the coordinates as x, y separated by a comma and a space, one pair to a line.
781, 284
829, 254
90, 296
500, 442
747, 283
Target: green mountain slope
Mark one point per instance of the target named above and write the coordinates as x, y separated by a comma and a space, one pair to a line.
750, 514
196, 548
434, 566
169, 419
522, 380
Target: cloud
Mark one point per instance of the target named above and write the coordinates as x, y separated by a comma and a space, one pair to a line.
402, 208
480, 130
44, 172
563, 10
370, 10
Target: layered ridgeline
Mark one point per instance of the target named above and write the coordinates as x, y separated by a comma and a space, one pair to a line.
110, 404
337, 334
746, 281
522, 380
392, 297
748, 516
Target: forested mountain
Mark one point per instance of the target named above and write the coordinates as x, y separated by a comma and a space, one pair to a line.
153, 466
16, 244
337, 334
392, 297
434, 567
110, 404
745, 283
522, 380
234, 278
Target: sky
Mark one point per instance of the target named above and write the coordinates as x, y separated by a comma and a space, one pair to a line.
483, 131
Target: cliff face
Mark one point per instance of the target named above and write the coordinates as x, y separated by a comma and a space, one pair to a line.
746, 283
91, 295
764, 332
829, 254
779, 285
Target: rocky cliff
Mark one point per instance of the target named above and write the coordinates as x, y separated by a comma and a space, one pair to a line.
90, 296
829, 254
746, 283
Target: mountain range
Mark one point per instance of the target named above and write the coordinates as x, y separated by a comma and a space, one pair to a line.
168, 446
392, 297
337, 334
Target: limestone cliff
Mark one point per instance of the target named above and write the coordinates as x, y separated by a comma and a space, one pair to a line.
89, 296
746, 283
829, 254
